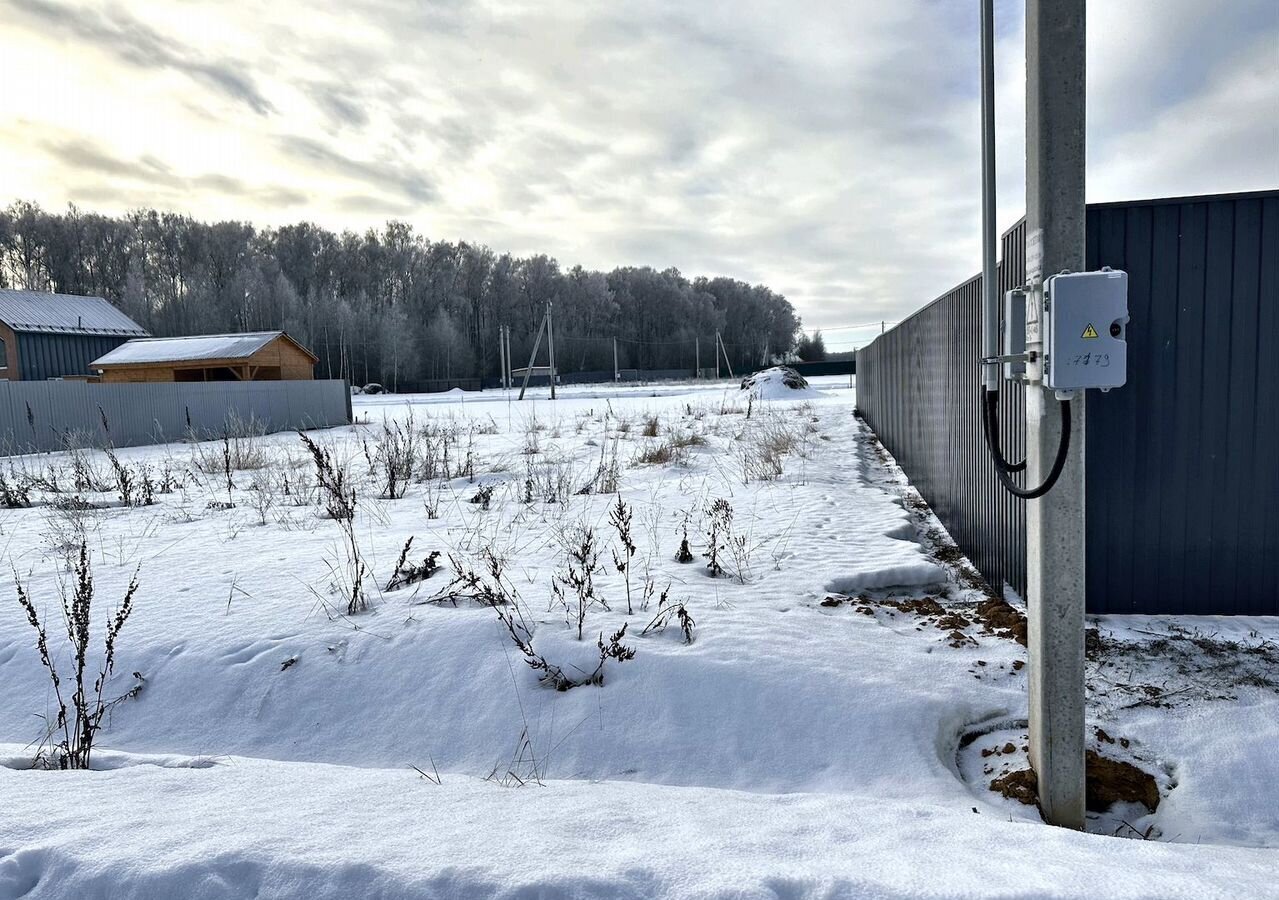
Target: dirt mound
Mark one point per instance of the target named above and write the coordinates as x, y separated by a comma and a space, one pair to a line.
924, 607
1020, 785
927, 608
1112, 781
1001, 619
1109, 781
778, 383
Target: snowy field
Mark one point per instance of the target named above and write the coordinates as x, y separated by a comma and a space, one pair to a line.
815, 706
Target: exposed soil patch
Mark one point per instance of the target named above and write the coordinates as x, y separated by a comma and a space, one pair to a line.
924, 607
1112, 781
1020, 785
1109, 781
999, 618
995, 616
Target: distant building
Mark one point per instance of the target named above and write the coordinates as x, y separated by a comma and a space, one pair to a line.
57, 335
253, 356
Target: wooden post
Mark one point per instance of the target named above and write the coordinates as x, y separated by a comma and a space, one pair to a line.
537, 342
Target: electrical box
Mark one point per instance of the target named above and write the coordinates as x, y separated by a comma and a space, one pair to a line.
1087, 316
1013, 331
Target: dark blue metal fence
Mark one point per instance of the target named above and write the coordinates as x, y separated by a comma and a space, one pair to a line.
1182, 471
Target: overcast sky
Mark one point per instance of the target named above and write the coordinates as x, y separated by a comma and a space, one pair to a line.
829, 150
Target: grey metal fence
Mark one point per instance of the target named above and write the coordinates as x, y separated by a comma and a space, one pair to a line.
49, 415
1182, 472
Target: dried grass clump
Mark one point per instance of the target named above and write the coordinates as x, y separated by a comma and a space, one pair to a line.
77, 720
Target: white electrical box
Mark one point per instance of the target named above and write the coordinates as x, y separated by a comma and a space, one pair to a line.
1013, 332
1086, 345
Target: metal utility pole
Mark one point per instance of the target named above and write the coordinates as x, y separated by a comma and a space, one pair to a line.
697, 357
617, 375
510, 362
1055, 92
717, 356
550, 347
989, 276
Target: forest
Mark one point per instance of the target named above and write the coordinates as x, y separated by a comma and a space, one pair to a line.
389, 306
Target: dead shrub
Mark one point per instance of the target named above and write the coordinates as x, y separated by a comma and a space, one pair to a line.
581, 563
72, 733
333, 480
669, 611
396, 456
407, 573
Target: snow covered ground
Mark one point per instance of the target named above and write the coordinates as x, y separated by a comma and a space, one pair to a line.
822, 735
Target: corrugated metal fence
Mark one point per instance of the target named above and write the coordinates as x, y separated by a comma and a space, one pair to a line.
1182, 463
50, 415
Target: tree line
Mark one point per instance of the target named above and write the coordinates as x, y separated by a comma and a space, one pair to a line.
389, 306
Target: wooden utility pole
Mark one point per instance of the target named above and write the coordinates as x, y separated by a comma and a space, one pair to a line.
537, 342
724, 350
617, 375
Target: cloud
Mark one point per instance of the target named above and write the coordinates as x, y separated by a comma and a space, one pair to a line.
400, 179
370, 205
117, 33
1209, 123
832, 154
339, 105
104, 177
84, 156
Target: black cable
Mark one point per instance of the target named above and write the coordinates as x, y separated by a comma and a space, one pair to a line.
1063, 448
990, 421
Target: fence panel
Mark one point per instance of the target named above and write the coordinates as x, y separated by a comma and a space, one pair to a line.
1180, 470
49, 415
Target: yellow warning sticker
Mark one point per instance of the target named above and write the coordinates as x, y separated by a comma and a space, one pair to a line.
1090, 332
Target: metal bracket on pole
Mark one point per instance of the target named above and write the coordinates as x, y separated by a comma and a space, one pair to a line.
1028, 356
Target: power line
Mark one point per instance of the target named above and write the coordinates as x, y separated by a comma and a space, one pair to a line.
877, 323
621, 340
